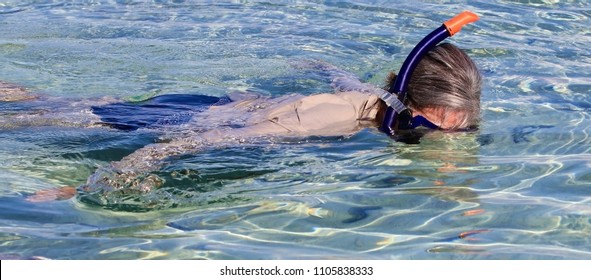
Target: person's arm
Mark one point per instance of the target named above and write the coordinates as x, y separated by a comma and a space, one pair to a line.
133, 172
342, 80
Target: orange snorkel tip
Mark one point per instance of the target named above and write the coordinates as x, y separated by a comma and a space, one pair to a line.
455, 24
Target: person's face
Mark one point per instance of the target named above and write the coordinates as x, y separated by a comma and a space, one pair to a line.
444, 120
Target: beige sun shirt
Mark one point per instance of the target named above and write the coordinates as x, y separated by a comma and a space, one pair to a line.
341, 113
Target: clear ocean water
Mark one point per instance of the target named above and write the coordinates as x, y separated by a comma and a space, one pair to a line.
519, 188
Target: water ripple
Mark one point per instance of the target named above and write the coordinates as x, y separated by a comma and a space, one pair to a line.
516, 189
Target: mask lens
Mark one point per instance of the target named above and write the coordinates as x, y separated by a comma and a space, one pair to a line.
422, 121
406, 121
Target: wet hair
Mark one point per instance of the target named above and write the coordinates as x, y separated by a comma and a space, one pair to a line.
447, 80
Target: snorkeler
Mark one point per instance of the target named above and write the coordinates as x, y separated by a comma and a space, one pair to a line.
438, 87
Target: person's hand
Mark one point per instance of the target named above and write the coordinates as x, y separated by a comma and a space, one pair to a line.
60, 193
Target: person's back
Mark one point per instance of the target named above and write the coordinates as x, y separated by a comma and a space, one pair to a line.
325, 114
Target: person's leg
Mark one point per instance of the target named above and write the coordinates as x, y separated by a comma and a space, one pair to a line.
20, 107
10, 92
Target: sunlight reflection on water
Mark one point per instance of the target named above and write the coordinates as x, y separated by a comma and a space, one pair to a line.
518, 188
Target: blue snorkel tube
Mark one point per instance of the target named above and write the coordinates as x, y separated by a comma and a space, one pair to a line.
397, 111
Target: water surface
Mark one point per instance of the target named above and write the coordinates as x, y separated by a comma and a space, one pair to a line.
519, 188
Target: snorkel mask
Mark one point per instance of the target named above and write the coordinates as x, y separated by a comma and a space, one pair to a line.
398, 116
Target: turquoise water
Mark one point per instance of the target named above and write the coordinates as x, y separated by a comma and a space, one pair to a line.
519, 188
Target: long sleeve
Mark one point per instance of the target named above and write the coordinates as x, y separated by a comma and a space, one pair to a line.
134, 173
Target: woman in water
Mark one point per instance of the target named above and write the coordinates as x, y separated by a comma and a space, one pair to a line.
443, 93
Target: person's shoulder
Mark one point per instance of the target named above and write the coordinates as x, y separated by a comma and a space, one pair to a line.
237, 96
355, 95
345, 99
323, 98
358, 99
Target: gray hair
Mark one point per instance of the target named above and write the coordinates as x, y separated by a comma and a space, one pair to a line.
446, 79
